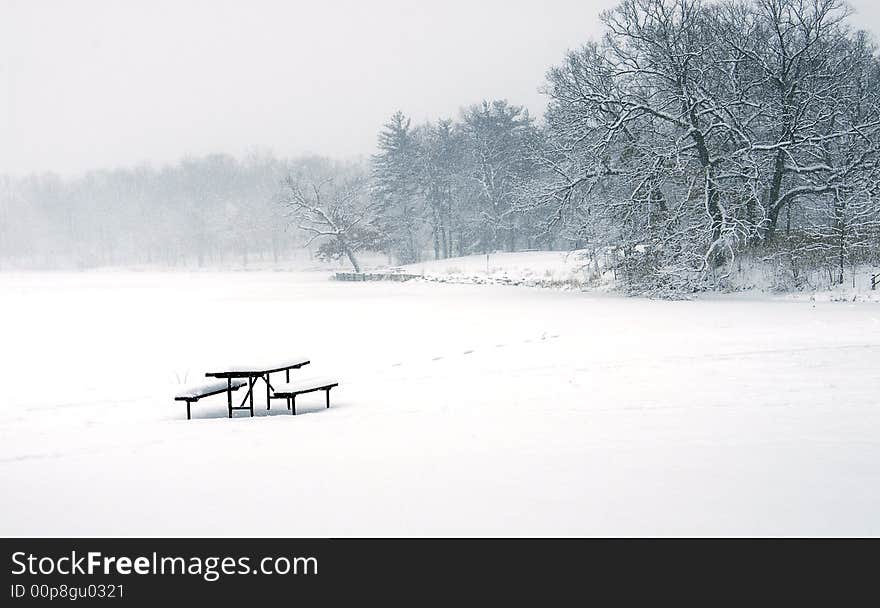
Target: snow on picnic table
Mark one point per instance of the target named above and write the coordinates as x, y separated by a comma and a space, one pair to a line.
462, 410
258, 365
197, 390
303, 385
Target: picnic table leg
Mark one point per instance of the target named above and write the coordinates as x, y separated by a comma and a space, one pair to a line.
327, 392
187, 409
229, 395
293, 404
251, 382
268, 397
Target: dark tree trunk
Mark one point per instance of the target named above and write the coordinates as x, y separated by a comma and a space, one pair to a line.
774, 205
349, 254
352, 259
840, 227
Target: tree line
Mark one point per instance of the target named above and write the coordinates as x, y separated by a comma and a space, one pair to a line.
198, 212
697, 132
693, 137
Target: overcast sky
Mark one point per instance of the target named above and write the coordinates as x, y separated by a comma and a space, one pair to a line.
92, 84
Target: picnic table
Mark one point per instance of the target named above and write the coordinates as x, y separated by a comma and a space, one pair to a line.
251, 373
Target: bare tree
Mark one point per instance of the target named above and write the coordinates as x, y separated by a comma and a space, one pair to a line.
692, 126
333, 209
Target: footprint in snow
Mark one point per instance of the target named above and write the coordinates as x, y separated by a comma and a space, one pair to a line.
436, 358
467, 352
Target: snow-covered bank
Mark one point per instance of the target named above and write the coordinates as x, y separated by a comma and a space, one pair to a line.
462, 410
528, 268
573, 270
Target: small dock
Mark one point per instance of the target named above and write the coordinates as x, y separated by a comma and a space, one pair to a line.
374, 276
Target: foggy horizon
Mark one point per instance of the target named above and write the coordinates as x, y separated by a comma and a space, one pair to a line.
253, 81
135, 85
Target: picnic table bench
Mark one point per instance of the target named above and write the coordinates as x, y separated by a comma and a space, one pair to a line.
290, 390
251, 373
206, 389
235, 377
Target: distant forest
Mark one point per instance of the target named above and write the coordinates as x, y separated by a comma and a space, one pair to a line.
693, 136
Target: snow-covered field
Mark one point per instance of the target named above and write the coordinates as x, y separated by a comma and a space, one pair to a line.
463, 410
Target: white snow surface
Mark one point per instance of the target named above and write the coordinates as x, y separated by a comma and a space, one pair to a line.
462, 410
303, 385
197, 390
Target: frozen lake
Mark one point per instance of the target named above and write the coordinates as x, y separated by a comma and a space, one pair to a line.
463, 410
